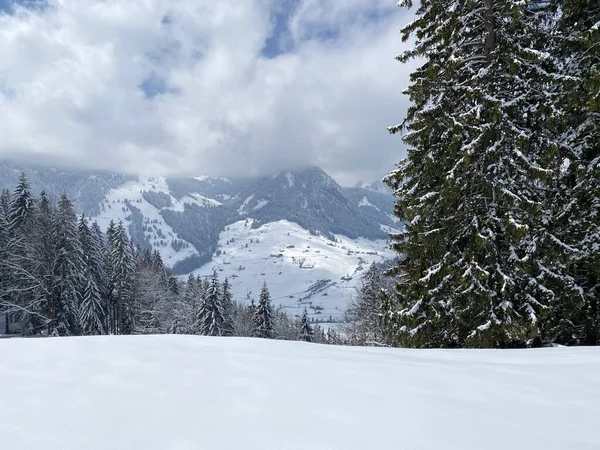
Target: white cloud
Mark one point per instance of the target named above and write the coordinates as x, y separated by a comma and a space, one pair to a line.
70, 77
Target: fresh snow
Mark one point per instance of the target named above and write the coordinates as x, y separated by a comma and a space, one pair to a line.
191, 392
242, 209
193, 199
260, 205
301, 270
366, 202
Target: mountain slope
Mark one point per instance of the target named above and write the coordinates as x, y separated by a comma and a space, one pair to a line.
171, 214
302, 270
191, 222
191, 392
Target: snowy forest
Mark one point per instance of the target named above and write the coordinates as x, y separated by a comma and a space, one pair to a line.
500, 189
61, 276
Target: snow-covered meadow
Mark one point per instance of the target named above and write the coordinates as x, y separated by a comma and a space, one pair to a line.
189, 392
301, 270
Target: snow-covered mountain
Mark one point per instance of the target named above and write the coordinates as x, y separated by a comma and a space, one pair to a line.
302, 270
202, 223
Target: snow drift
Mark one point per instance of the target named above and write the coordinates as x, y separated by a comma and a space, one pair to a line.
187, 392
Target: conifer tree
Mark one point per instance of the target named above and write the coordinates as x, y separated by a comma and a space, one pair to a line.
263, 315
93, 304
211, 312
121, 265
471, 189
577, 188
193, 298
92, 308
44, 255
67, 273
306, 331
20, 266
227, 302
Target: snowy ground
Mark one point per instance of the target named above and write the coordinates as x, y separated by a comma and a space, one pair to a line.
301, 270
186, 392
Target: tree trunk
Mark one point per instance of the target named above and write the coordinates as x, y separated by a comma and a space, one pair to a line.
490, 29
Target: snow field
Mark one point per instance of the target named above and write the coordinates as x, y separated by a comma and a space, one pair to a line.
291, 261
190, 392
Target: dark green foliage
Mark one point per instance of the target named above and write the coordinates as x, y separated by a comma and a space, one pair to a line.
263, 315
68, 275
211, 312
471, 189
136, 227
159, 200
499, 190
306, 331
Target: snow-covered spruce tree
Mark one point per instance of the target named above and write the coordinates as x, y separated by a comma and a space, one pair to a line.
228, 310
121, 266
44, 255
18, 262
68, 274
93, 305
472, 187
155, 304
577, 202
4, 270
211, 316
108, 287
306, 331
192, 298
263, 315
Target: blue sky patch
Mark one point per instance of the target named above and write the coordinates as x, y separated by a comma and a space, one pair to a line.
8, 6
155, 85
280, 41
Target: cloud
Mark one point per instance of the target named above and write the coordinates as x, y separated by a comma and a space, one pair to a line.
197, 86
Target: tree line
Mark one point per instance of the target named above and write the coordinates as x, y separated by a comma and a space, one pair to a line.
62, 276
500, 188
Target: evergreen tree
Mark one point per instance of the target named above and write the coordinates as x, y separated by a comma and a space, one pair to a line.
306, 331
577, 184
472, 188
18, 263
193, 298
263, 315
109, 284
92, 308
227, 302
44, 251
211, 314
93, 304
121, 265
156, 306
67, 273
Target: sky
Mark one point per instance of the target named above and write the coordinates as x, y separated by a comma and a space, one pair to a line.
190, 87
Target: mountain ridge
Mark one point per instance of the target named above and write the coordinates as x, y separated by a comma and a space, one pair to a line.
183, 216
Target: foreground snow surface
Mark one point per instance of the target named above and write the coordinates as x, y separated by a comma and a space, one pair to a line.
187, 392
